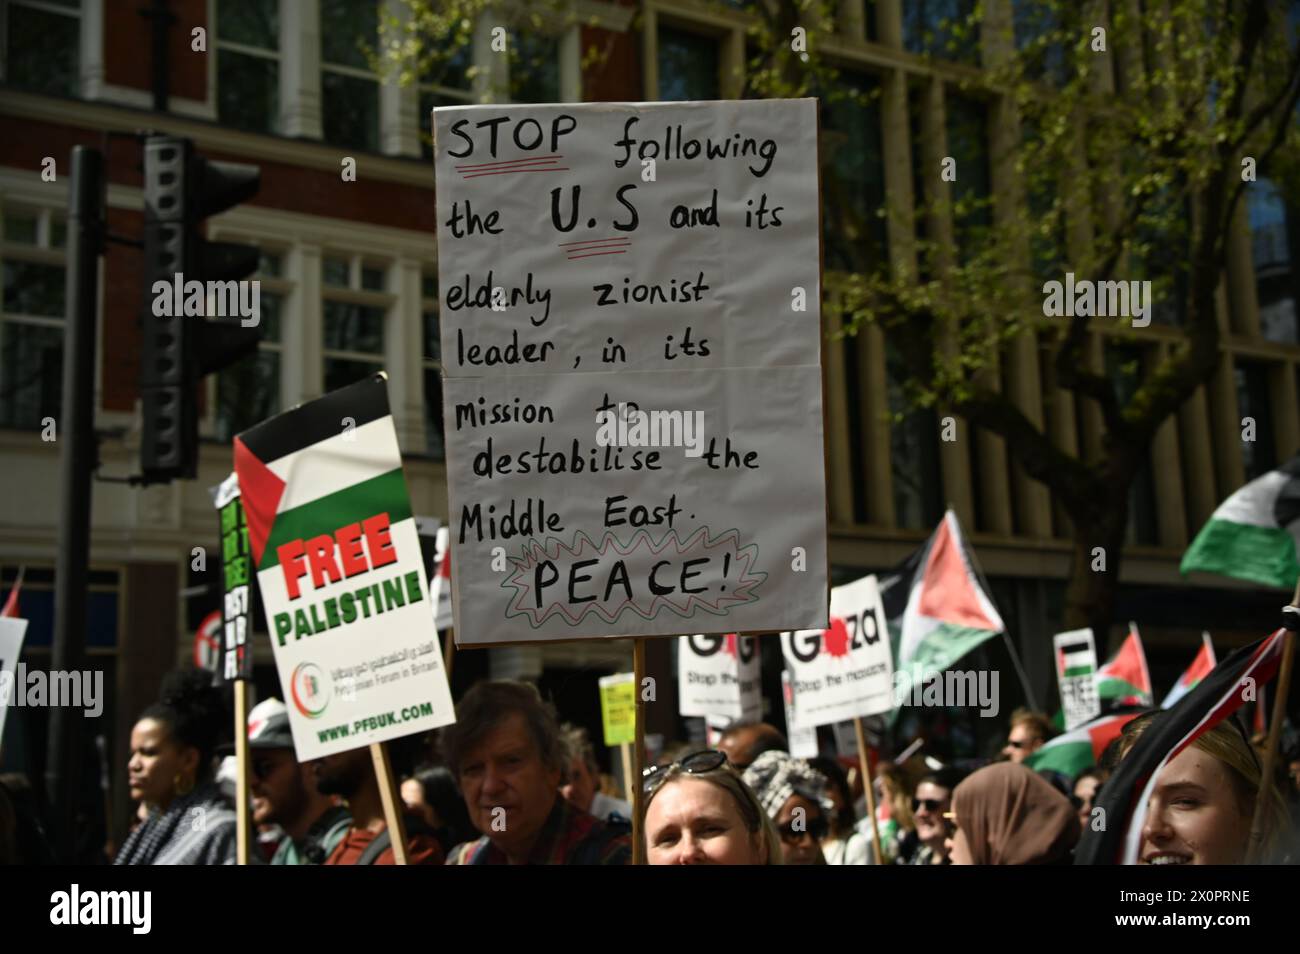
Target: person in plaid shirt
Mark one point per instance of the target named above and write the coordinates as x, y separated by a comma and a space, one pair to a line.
506, 754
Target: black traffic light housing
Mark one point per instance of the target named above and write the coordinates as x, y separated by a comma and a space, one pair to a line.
181, 189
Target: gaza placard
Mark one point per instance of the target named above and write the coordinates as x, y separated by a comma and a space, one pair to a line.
341, 572
629, 297
718, 675
846, 670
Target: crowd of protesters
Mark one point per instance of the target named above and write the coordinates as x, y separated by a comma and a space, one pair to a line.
507, 783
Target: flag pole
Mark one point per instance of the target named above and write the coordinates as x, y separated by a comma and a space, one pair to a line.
638, 748
392, 801
243, 829
1291, 622
868, 787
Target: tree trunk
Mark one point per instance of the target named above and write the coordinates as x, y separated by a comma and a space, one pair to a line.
1094, 568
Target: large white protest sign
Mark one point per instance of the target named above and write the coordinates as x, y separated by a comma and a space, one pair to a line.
1076, 675
341, 573
631, 332
718, 675
12, 632
844, 671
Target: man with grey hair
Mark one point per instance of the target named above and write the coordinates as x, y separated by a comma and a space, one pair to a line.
507, 757
581, 784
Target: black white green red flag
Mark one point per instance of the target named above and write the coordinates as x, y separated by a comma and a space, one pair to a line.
1126, 795
341, 572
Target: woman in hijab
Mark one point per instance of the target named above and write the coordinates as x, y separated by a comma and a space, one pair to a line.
171, 773
1005, 814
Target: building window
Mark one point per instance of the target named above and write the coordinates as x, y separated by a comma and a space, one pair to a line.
854, 187
688, 66
31, 316
1254, 412
534, 67
355, 317
349, 90
42, 45
913, 453
248, 64
1274, 235
433, 430
446, 83
941, 28
967, 128
248, 392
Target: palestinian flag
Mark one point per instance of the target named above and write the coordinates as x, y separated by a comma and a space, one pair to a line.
1124, 680
1198, 670
1127, 793
1255, 533
1072, 752
11, 604
937, 606
440, 585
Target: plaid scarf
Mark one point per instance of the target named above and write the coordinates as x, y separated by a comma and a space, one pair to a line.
775, 776
178, 831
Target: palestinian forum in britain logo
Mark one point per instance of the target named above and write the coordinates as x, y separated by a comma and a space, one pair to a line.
309, 689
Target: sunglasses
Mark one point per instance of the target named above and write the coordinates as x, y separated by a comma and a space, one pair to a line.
694, 764
931, 804
816, 828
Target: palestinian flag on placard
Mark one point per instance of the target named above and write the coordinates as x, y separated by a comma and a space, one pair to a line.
1126, 794
1198, 670
1255, 533
356, 468
11, 604
1123, 680
937, 606
1080, 748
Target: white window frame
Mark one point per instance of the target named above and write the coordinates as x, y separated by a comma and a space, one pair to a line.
355, 72
354, 294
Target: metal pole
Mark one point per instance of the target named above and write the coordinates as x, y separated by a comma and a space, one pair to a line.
77, 458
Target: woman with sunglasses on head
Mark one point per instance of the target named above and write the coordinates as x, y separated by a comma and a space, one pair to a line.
793, 795
698, 811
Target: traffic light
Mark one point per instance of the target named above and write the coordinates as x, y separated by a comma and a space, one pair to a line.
181, 189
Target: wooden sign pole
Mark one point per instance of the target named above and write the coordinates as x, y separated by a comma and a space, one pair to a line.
243, 833
868, 787
629, 775
392, 802
448, 652
638, 674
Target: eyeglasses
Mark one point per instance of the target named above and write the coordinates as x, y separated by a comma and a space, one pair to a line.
697, 762
816, 828
931, 804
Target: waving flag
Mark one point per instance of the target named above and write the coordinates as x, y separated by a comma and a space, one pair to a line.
1255, 533
1126, 795
1124, 680
1072, 752
11, 604
1198, 670
937, 606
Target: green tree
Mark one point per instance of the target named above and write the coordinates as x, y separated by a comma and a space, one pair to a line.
1126, 153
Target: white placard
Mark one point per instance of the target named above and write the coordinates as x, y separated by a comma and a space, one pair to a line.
12, 631
845, 671
631, 333
803, 741
1076, 676
719, 675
